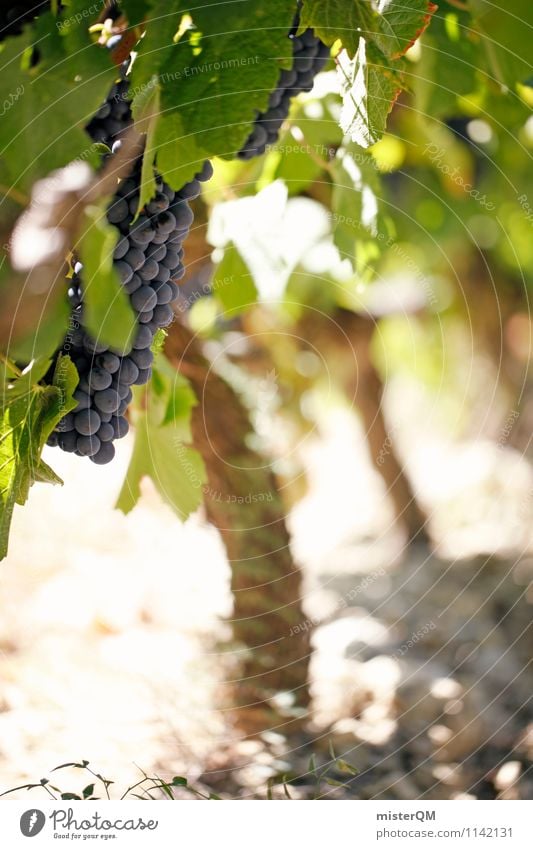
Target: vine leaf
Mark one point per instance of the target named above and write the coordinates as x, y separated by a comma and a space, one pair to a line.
354, 200
233, 284
337, 20
146, 109
369, 89
213, 78
393, 25
27, 418
401, 24
49, 103
374, 37
161, 452
108, 315
502, 27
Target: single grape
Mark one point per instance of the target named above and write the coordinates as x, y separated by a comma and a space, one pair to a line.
144, 376
87, 422
144, 337
110, 362
149, 270
67, 441
105, 454
128, 370
106, 432
99, 378
143, 359
120, 426
144, 299
108, 401
88, 445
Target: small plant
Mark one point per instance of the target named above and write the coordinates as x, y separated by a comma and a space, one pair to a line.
318, 776
144, 789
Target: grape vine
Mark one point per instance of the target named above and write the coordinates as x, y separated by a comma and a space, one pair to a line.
309, 57
148, 259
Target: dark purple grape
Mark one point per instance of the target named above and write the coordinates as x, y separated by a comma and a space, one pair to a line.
162, 275
128, 370
157, 252
163, 315
106, 432
118, 211
108, 361
67, 441
206, 172
144, 299
190, 191
105, 454
158, 204
163, 292
135, 257
83, 399
88, 445
99, 378
149, 270
133, 284
143, 359
87, 422
144, 337
124, 271
65, 424
144, 376
166, 222
178, 272
183, 215
120, 426
108, 401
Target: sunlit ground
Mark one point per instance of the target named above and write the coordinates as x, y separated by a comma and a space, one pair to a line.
111, 626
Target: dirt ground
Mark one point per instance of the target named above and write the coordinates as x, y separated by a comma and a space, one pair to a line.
112, 632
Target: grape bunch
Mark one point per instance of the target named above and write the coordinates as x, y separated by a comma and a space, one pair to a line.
309, 57
148, 259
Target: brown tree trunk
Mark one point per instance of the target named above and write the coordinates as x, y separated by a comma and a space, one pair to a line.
366, 387
243, 502
346, 338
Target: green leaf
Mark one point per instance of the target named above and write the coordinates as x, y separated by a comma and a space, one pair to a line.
369, 87
22, 382
213, 79
179, 781
233, 284
146, 109
50, 102
503, 27
88, 791
27, 419
160, 452
338, 20
401, 23
108, 315
47, 337
344, 766
354, 200
394, 28
181, 400
448, 66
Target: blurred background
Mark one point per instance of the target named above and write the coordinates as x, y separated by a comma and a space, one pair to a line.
376, 357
